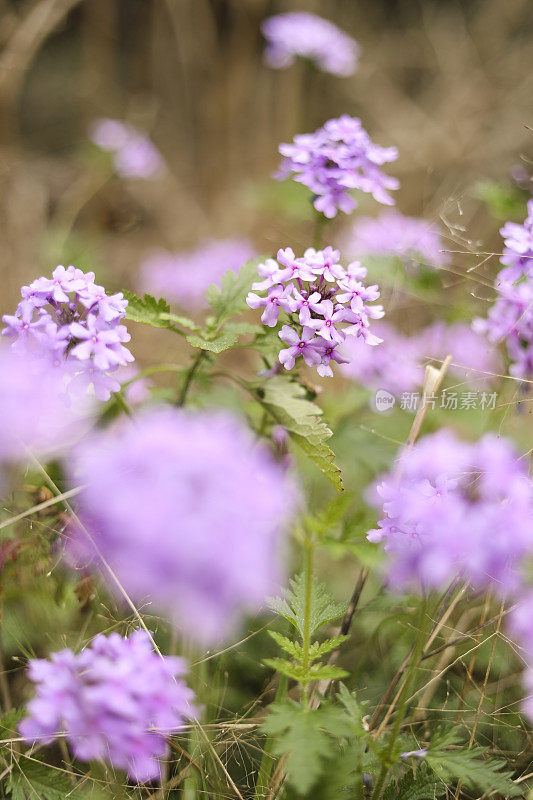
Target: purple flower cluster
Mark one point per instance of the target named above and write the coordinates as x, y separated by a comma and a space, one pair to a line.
117, 700
411, 239
456, 508
335, 159
188, 512
299, 33
184, 277
134, 154
398, 364
518, 252
510, 319
72, 318
325, 304
35, 414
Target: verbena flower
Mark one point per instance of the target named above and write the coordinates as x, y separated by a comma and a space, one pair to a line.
134, 154
335, 159
510, 321
323, 303
117, 700
299, 33
188, 511
36, 416
184, 277
455, 508
518, 252
413, 240
75, 321
510, 318
398, 364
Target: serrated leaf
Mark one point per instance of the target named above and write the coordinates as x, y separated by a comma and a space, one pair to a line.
421, 786
156, 313
320, 649
9, 722
31, 780
230, 297
292, 648
469, 766
302, 735
285, 401
285, 667
292, 606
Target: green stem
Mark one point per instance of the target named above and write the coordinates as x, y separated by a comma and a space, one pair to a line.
190, 377
320, 222
306, 633
403, 699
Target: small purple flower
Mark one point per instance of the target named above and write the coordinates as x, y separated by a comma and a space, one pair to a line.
117, 700
518, 252
73, 318
335, 159
134, 155
305, 304
325, 327
305, 345
309, 286
100, 343
299, 33
276, 299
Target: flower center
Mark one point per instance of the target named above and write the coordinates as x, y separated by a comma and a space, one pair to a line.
301, 345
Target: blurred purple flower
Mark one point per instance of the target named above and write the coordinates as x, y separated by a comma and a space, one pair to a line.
188, 512
36, 416
184, 277
415, 241
455, 508
117, 701
299, 33
335, 159
134, 154
398, 364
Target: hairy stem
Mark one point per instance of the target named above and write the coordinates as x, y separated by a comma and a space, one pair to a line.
190, 377
306, 633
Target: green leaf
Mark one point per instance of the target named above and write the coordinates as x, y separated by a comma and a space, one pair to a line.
223, 341
285, 401
156, 313
292, 648
320, 649
230, 297
285, 667
302, 735
421, 786
321, 672
9, 723
292, 606
31, 780
469, 766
